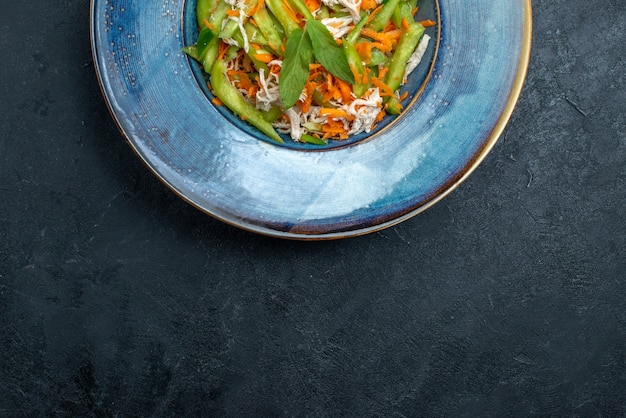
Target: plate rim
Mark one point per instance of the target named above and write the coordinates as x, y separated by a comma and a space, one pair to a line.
439, 194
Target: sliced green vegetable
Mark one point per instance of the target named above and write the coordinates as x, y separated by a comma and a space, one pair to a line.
402, 11
279, 10
229, 29
204, 40
203, 11
381, 19
377, 57
300, 7
310, 139
266, 25
274, 113
230, 96
217, 16
356, 65
353, 35
192, 51
406, 45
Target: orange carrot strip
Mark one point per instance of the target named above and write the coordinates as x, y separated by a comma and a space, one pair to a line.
374, 13
259, 4
366, 76
345, 89
368, 4
312, 5
357, 77
252, 91
336, 113
332, 130
222, 50
365, 50
390, 26
217, 102
385, 90
428, 23
370, 33
264, 57
290, 11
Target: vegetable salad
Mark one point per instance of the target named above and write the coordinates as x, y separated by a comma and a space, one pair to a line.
313, 69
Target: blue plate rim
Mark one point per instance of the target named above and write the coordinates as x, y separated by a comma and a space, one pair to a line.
338, 232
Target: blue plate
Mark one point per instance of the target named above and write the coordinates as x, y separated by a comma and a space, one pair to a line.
461, 98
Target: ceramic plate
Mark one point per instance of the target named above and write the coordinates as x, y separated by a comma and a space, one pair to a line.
460, 99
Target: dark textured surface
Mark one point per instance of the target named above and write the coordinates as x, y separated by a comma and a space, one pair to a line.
507, 298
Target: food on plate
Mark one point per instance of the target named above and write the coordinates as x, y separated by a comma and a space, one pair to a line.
313, 69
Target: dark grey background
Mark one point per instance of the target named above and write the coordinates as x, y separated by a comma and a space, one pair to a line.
506, 298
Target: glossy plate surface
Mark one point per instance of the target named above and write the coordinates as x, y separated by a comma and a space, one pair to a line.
221, 167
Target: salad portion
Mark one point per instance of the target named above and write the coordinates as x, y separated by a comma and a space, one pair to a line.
313, 69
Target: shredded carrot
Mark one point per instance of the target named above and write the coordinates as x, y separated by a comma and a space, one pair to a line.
370, 33
329, 129
382, 72
244, 81
394, 35
253, 90
345, 89
368, 4
428, 23
306, 104
390, 26
255, 9
312, 5
222, 50
337, 133
331, 91
232, 13
336, 113
358, 78
385, 42
217, 102
385, 90
374, 13
365, 50
290, 11
275, 68
405, 24
404, 95
264, 57
366, 76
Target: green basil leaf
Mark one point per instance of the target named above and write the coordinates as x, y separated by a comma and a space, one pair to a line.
327, 52
295, 68
204, 38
